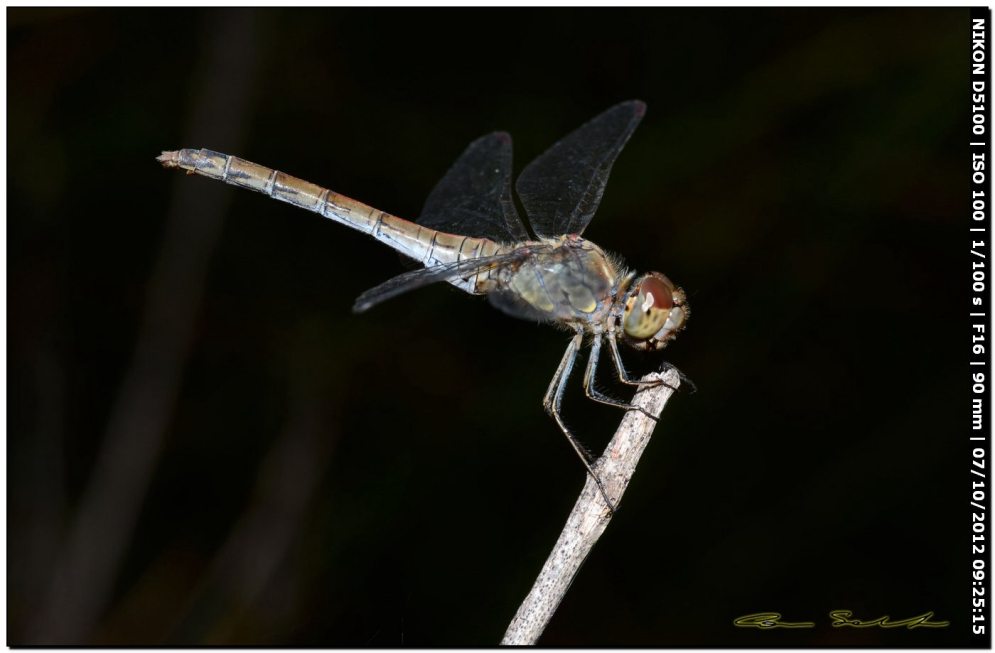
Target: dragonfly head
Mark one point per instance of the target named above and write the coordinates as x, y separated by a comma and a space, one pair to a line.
655, 310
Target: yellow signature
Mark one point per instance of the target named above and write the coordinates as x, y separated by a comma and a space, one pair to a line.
841, 618
769, 620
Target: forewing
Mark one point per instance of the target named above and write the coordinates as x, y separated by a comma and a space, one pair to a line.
561, 189
425, 276
474, 198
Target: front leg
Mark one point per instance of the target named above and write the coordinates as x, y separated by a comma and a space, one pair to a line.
596, 395
623, 376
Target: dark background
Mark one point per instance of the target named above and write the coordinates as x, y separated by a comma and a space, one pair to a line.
207, 446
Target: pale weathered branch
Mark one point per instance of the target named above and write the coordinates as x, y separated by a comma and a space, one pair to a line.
590, 515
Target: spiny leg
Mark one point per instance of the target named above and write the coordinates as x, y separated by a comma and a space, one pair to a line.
685, 380
554, 399
596, 395
623, 376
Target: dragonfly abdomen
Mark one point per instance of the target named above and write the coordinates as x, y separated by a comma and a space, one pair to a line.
428, 246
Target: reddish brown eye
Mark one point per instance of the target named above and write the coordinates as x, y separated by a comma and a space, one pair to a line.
655, 293
654, 312
647, 309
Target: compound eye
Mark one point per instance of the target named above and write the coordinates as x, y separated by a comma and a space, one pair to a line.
647, 310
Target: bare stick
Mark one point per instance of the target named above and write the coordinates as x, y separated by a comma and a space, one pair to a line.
590, 515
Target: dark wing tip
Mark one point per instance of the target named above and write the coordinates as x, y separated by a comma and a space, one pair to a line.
503, 137
494, 137
638, 107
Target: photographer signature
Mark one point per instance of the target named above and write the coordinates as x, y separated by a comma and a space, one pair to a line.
841, 618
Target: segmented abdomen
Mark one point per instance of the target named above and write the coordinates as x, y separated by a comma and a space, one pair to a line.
428, 246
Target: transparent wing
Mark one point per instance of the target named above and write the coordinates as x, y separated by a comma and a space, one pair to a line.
511, 303
425, 276
474, 198
561, 189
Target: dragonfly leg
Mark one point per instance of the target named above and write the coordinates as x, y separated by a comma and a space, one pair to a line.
554, 399
623, 376
594, 394
681, 376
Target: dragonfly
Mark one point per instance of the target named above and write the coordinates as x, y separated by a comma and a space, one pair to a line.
470, 235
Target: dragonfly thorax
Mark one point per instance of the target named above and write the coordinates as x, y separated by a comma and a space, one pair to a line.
566, 280
654, 311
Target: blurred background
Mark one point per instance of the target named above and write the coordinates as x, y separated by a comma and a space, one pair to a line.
207, 447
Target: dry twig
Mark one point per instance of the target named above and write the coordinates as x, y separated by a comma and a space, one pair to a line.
590, 515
